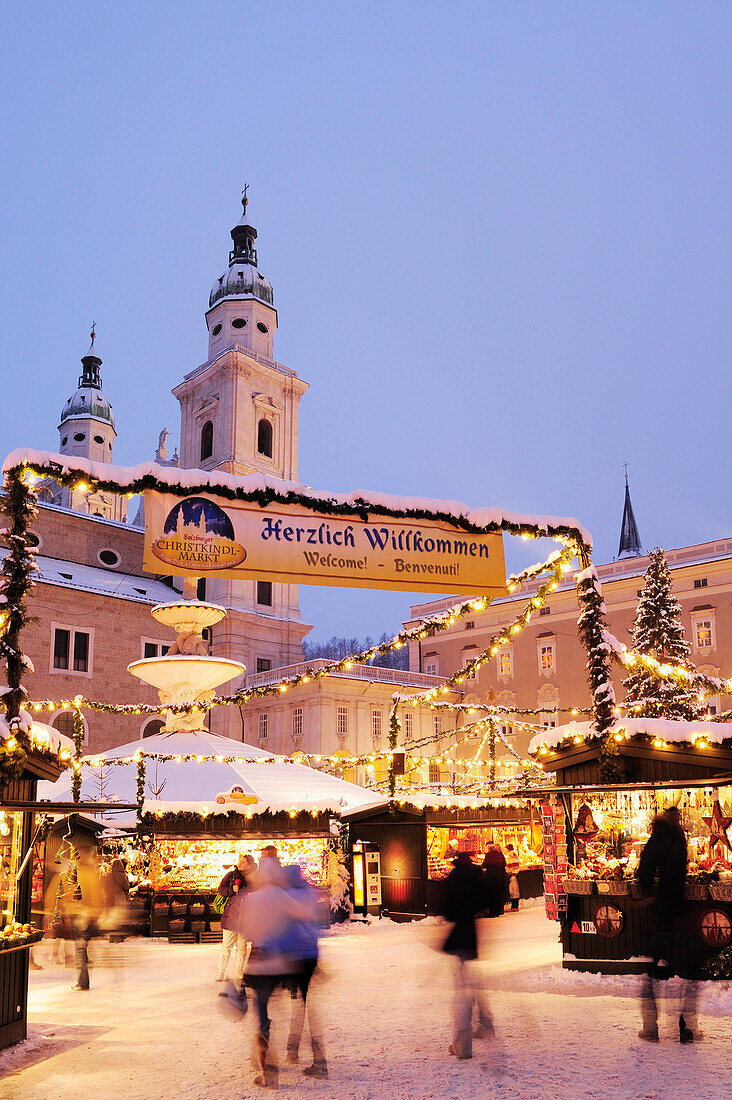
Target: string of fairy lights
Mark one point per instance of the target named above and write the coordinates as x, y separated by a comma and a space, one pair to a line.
18, 568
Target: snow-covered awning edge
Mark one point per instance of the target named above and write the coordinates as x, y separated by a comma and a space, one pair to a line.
661, 729
159, 807
129, 479
42, 739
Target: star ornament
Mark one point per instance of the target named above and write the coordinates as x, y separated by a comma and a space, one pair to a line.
718, 825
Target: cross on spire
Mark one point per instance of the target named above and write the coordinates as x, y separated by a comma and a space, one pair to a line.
244, 199
93, 335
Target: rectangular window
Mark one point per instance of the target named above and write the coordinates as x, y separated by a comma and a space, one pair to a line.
437, 725
154, 649
61, 647
263, 664
432, 667
297, 722
264, 593
434, 773
505, 663
700, 582
546, 656
507, 732
703, 634
342, 721
376, 724
470, 626
72, 650
263, 727
408, 723
545, 610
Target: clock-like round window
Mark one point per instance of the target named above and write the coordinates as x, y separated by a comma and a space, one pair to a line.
79, 437
238, 322
262, 327
99, 439
216, 330
108, 557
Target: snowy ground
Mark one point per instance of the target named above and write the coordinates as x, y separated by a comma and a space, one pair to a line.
154, 1029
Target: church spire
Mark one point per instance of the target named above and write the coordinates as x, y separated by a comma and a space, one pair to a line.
630, 544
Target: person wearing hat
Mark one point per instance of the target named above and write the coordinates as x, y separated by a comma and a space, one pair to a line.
662, 875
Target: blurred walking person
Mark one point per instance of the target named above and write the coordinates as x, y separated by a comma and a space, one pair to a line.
662, 875
265, 915
232, 887
299, 944
513, 867
85, 907
494, 866
465, 897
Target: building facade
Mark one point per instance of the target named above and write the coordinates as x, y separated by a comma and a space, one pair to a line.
544, 666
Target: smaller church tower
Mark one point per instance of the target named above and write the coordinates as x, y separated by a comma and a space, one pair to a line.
630, 544
87, 430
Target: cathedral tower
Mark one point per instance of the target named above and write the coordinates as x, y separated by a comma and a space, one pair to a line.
239, 414
87, 430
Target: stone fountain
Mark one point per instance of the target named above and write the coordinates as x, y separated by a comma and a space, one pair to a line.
187, 673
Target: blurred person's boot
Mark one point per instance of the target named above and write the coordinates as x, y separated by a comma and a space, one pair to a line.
319, 1067
293, 1054
649, 1034
686, 1035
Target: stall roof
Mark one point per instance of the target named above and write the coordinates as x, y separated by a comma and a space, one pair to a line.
661, 785
214, 786
665, 729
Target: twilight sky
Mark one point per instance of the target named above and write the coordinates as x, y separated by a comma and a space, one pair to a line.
499, 237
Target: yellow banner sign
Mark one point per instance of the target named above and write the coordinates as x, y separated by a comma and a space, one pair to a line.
197, 537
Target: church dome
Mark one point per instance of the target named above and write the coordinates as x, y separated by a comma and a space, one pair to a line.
242, 280
89, 399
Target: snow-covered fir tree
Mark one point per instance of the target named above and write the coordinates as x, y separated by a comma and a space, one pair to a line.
658, 632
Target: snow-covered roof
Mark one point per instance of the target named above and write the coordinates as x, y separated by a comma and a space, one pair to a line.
92, 578
43, 738
661, 729
268, 783
250, 483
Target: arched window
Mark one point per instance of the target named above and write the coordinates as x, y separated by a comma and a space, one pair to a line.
153, 727
207, 440
63, 721
264, 438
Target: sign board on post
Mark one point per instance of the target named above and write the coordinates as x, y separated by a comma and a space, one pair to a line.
197, 536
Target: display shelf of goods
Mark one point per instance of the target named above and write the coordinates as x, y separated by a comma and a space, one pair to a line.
696, 891
579, 886
197, 910
16, 936
198, 925
176, 925
613, 886
722, 890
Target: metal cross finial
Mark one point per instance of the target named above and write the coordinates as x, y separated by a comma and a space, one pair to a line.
244, 199
93, 335
625, 464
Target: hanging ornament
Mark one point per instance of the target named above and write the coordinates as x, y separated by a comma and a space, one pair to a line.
585, 827
718, 825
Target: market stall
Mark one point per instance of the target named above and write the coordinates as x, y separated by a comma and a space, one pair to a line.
43, 753
415, 845
203, 800
591, 886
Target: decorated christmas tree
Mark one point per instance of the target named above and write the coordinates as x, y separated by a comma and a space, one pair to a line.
658, 632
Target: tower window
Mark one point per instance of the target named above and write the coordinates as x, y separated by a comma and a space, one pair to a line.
64, 441
99, 439
207, 440
201, 589
264, 593
216, 330
262, 327
238, 322
79, 437
264, 438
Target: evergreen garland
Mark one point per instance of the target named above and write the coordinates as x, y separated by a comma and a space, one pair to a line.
78, 742
140, 792
657, 632
591, 627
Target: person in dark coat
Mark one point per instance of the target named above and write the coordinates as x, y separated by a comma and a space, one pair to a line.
662, 875
465, 897
496, 880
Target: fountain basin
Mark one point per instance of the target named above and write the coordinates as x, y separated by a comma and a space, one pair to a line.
188, 616
186, 675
